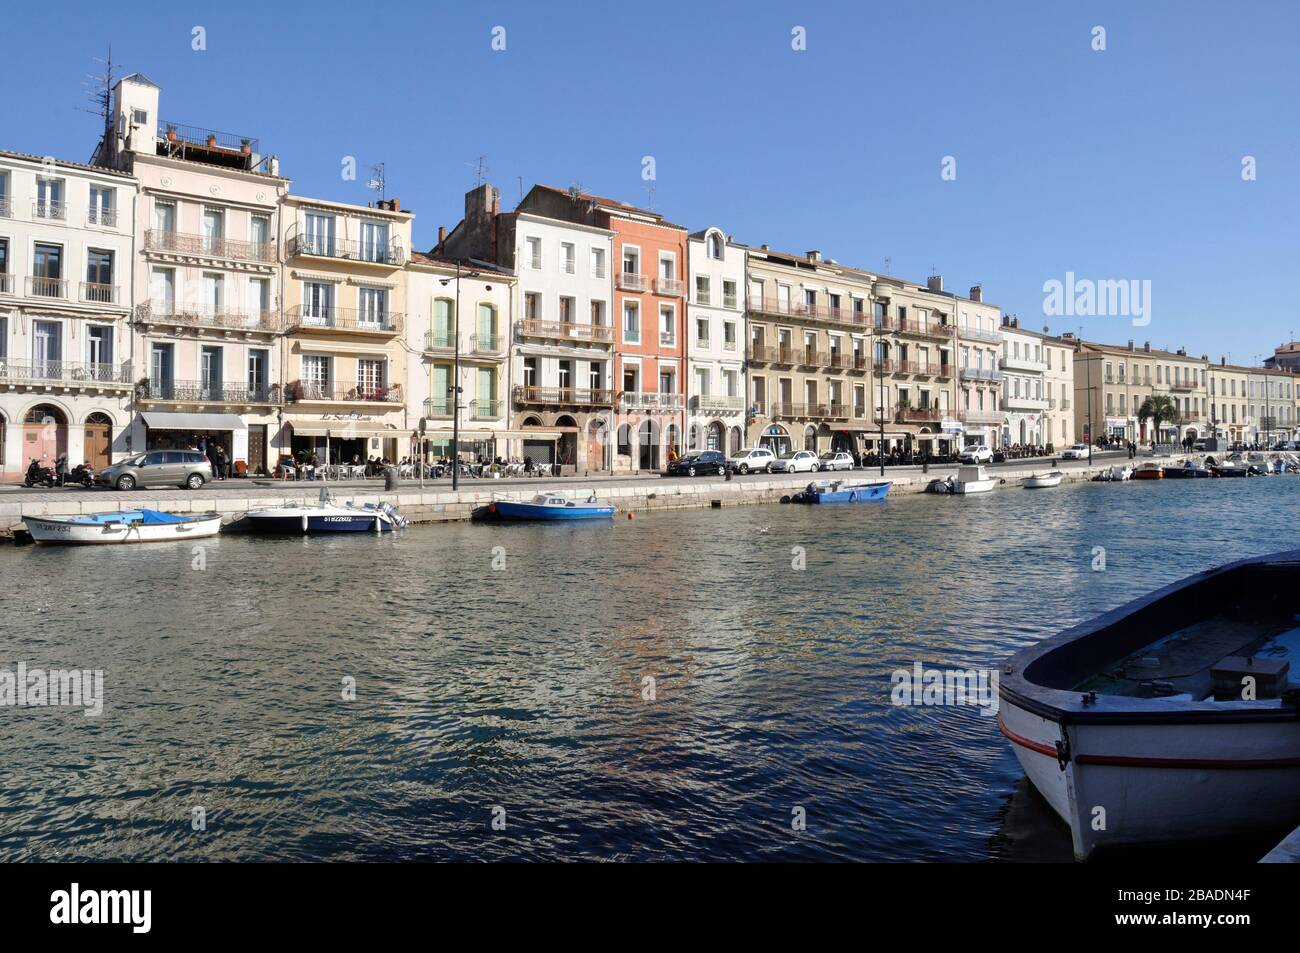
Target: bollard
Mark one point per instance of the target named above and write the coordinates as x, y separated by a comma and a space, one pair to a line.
925, 466
390, 478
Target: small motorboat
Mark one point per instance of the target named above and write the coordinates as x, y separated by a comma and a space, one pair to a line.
1149, 471
1115, 474
1041, 481
1186, 471
550, 506
325, 516
130, 526
969, 479
825, 491
1230, 470
1177, 714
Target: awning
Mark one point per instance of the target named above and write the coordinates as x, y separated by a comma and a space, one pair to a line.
196, 423
446, 434
538, 434
343, 430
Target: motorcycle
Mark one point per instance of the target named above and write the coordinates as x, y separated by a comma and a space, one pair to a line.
81, 473
36, 473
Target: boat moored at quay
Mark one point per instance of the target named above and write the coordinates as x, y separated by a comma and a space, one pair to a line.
1175, 715
324, 516
128, 526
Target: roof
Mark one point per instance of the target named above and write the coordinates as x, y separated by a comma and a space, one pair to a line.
140, 78
429, 259
64, 162
1141, 351
612, 205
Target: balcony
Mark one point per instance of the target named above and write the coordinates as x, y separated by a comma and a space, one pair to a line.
438, 407
1030, 404
566, 331
487, 345
906, 415
668, 287
811, 357
164, 242
814, 411
307, 318
649, 401
67, 374
981, 375
208, 144
105, 217
166, 315
206, 392
631, 281
1181, 386
1013, 363
486, 409
6, 208
563, 396
667, 339
439, 341
95, 293
346, 249
771, 354
50, 211
366, 392
925, 329
38, 287
979, 418
975, 334
813, 312
705, 403
6, 284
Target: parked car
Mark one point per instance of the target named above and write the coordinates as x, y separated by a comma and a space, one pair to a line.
795, 461
187, 469
835, 461
976, 454
754, 459
1078, 451
697, 462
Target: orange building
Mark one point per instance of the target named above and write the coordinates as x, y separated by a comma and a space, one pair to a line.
650, 260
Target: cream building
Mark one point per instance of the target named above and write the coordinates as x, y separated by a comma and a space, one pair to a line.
715, 336
1024, 387
979, 348
1270, 400
435, 336
1228, 392
66, 245
206, 281
1058, 386
345, 361
1112, 382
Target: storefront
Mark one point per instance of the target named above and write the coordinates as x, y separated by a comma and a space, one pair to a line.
343, 440
164, 431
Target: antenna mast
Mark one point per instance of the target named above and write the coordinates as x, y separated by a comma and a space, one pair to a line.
99, 91
378, 182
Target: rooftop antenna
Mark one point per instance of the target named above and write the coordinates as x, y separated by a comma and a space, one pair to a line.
480, 170
575, 192
99, 90
521, 190
889, 265
378, 183
650, 195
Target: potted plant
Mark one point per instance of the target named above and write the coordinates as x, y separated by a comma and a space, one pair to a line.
246, 146
212, 141
171, 134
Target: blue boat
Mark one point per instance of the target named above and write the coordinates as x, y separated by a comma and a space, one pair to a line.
551, 506
826, 492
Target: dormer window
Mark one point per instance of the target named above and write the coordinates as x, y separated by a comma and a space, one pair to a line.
715, 246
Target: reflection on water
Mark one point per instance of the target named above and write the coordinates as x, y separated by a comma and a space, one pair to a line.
525, 687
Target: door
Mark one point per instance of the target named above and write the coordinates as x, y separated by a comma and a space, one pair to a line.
320, 234
98, 440
256, 448
210, 373
46, 363
160, 372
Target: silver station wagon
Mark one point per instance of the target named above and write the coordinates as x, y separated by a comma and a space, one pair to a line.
187, 469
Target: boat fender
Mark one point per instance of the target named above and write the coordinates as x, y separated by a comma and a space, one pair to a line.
631, 515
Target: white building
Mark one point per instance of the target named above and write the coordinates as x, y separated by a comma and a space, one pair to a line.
979, 346
1024, 401
486, 296
715, 336
207, 313
66, 243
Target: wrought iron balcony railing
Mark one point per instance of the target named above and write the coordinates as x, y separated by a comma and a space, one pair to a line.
631, 281
986, 374
918, 414
486, 409
649, 400
566, 330
829, 411
347, 249
563, 396
101, 216
668, 287
208, 392
344, 392
190, 243
719, 404
65, 372
53, 211
262, 322
309, 317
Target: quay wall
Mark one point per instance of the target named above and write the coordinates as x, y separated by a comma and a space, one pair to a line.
443, 505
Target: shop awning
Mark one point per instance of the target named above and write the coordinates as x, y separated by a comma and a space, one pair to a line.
343, 430
446, 434
195, 423
538, 434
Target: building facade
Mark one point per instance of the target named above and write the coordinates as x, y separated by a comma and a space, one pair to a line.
1112, 382
979, 347
459, 309
1024, 386
345, 361
206, 314
1058, 386
66, 247
715, 341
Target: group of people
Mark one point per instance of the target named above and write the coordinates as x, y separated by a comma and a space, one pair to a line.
217, 455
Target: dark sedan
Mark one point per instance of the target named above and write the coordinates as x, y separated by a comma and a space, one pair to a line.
701, 461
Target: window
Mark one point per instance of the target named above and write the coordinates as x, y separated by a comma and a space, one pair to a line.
99, 346
631, 322
259, 362
214, 230
370, 377
259, 232
99, 276
729, 295
533, 254
49, 199
315, 374
702, 295
319, 235
702, 332
100, 210
160, 370
162, 290
566, 310
5, 210
631, 261
598, 313
532, 306
374, 241
598, 263
139, 117
259, 300
164, 216
715, 246
213, 293
729, 335
47, 271
487, 327
667, 325
568, 259
4, 267
372, 307
318, 303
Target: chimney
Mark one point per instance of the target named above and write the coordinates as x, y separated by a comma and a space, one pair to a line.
814, 255
1223, 362
1146, 346
1130, 344
1182, 352
395, 204
934, 282
1205, 358
442, 234
1006, 320
976, 293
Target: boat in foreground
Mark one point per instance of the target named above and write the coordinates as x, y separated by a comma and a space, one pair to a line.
1187, 470
550, 506
1115, 474
129, 526
826, 491
1039, 481
969, 479
1149, 471
324, 516
1174, 716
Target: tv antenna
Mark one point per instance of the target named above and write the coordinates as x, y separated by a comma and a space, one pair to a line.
479, 166
378, 183
889, 265
650, 196
99, 90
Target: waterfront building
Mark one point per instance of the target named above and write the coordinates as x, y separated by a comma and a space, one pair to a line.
345, 311
1270, 400
206, 314
1285, 357
1024, 397
715, 336
561, 357
66, 247
1227, 390
1112, 381
1058, 387
979, 346
466, 317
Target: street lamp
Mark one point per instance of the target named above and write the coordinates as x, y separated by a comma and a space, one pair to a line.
878, 333
454, 389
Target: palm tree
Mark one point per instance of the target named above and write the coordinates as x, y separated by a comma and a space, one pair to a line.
1159, 407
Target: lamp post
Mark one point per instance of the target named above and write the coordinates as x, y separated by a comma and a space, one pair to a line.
880, 413
454, 389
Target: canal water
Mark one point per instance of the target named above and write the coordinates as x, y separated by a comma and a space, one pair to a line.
673, 686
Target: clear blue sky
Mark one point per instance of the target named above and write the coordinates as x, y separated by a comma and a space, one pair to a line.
1117, 164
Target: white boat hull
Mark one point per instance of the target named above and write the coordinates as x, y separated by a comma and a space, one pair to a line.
1042, 482
48, 530
974, 486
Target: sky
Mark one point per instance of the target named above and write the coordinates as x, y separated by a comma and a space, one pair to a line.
1122, 163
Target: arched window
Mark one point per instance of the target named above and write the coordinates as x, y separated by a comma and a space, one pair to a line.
487, 328
45, 414
715, 246
735, 440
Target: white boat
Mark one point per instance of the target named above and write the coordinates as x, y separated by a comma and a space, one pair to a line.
1038, 481
969, 479
1175, 716
1116, 473
129, 526
325, 516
